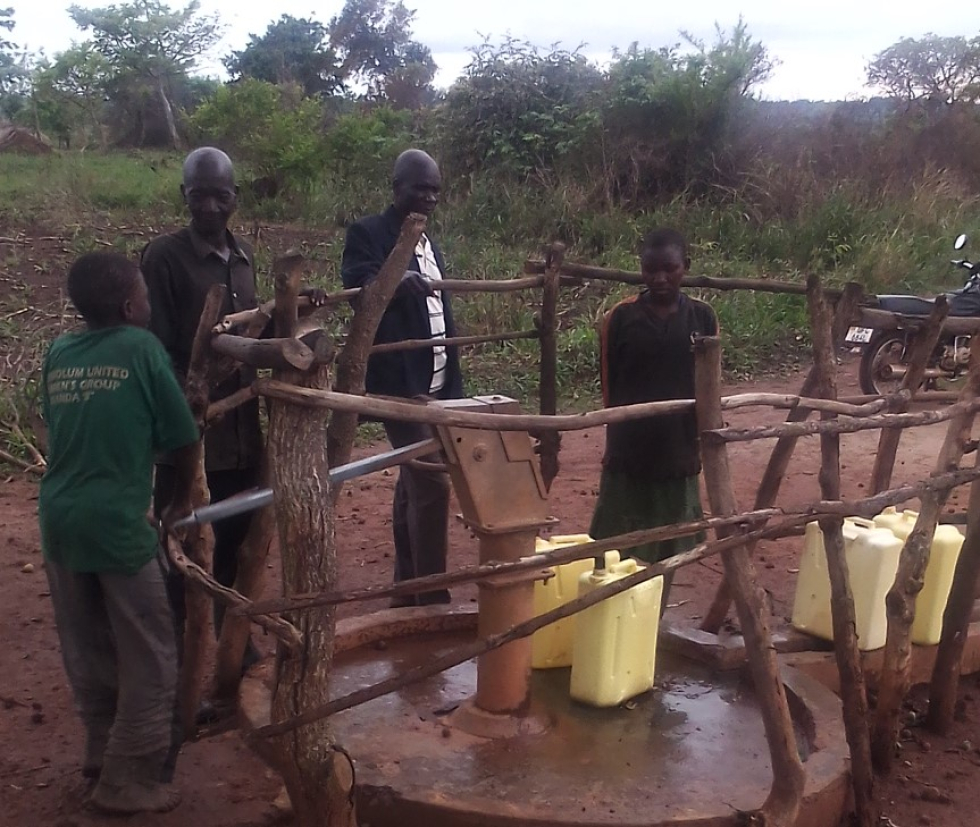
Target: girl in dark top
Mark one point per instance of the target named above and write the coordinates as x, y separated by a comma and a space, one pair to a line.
651, 465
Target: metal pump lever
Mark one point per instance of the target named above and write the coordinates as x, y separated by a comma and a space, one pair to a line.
259, 498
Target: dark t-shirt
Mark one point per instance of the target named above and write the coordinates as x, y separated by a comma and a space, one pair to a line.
646, 358
110, 400
179, 270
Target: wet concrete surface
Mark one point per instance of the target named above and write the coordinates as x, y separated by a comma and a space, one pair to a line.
691, 751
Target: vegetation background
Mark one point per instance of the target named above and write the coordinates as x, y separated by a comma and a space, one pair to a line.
536, 145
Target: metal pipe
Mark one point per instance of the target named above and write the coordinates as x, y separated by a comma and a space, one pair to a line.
259, 498
898, 371
503, 682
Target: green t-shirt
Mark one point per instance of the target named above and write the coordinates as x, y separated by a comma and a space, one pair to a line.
111, 401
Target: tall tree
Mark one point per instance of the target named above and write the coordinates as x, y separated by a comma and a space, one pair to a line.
292, 50
942, 69
373, 41
13, 73
146, 42
71, 92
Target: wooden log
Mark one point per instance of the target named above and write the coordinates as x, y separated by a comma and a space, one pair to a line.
852, 689
249, 579
218, 409
944, 686
894, 680
889, 439
783, 802
886, 320
585, 271
318, 774
452, 341
198, 542
844, 426
279, 354
867, 507
549, 442
240, 606
286, 277
469, 651
353, 360
388, 408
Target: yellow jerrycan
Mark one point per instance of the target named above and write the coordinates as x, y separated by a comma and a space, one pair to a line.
615, 649
872, 560
927, 627
551, 647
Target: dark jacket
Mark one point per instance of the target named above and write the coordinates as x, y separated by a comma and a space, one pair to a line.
403, 373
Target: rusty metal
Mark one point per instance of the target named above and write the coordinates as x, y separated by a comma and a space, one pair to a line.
497, 479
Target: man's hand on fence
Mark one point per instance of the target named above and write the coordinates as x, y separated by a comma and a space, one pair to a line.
414, 284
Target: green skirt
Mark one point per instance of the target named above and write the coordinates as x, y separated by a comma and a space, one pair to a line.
626, 504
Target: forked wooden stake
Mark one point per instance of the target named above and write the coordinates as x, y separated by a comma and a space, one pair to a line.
352, 362
550, 441
783, 803
782, 452
853, 695
956, 619
922, 347
894, 681
318, 775
198, 544
249, 577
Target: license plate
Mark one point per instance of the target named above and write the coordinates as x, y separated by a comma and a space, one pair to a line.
859, 335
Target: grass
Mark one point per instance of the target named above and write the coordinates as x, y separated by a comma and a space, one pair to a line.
888, 240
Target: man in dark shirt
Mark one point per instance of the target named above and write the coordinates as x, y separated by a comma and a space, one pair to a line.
179, 270
651, 466
418, 310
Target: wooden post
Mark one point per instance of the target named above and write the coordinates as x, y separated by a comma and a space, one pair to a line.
248, 582
956, 620
922, 348
370, 305
318, 774
893, 683
782, 453
549, 442
782, 805
198, 543
852, 689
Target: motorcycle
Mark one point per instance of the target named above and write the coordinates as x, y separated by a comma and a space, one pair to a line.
885, 353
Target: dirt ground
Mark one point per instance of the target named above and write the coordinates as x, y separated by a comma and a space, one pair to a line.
225, 785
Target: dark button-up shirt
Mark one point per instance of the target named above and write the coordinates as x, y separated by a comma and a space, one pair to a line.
179, 270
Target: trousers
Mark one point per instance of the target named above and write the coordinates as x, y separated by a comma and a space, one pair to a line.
419, 515
120, 655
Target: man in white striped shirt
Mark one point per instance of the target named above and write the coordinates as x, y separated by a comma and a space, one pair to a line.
420, 309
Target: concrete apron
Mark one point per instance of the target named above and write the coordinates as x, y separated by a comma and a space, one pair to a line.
692, 752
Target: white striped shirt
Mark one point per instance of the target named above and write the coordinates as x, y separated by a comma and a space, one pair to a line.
437, 316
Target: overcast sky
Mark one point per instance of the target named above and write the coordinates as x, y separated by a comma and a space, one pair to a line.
822, 47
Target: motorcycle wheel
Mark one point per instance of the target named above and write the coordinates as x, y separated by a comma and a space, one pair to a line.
883, 351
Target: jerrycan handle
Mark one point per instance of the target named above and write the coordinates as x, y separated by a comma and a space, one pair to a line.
863, 522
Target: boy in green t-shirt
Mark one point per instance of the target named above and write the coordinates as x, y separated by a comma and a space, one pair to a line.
111, 402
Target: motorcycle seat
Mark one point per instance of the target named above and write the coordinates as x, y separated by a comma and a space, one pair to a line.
906, 305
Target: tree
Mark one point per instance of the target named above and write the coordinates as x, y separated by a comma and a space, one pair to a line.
148, 45
72, 91
517, 108
13, 69
292, 50
373, 42
667, 111
941, 69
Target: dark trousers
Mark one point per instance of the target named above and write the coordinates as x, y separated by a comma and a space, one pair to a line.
118, 647
229, 534
420, 515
